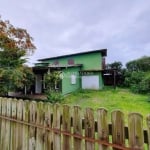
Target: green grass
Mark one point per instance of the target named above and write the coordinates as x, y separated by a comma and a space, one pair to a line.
111, 99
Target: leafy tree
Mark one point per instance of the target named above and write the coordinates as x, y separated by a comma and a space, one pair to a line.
115, 65
141, 64
52, 80
15, 45
12, 37
28, 78
140, 82
137, 75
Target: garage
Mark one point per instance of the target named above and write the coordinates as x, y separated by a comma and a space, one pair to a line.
90, 82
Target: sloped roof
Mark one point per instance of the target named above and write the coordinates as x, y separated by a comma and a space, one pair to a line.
102, 51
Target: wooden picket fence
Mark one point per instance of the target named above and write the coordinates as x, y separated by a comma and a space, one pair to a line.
30, 125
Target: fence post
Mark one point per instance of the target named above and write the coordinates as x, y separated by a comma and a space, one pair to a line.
39, 131
135, 125
19, 140
13, 137
148, 127
89, 123
32, 130
48, 136
8, 131
0, 119
102, 127
3, 124
57, 126
118, 136
77, 127
25, 128
66, 125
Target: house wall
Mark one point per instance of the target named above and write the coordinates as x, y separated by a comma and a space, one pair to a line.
67, 86
90, 61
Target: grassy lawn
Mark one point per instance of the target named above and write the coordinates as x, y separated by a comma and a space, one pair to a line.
111, 99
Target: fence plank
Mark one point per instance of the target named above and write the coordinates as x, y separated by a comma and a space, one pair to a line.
117, 119
48, 136
57, 126
77, 127
32, 130
13, 125
135, 125
102, 127
148, 128
89, 128
19, 126
40, 121
25, 128
66, 125
3, 124
8, 131
0, 120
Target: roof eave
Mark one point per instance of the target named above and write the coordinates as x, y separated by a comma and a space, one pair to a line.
102, 51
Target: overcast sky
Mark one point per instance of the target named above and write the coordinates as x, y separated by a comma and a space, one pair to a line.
68, 26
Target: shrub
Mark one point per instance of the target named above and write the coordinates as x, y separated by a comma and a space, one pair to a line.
54, 97
52, 80
144, 85
137, 75
140, 82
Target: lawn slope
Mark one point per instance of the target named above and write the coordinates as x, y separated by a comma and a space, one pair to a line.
111, 99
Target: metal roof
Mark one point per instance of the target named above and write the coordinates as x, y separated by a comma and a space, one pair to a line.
102, 51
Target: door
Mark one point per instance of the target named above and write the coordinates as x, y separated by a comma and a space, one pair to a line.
90, 82
38, 84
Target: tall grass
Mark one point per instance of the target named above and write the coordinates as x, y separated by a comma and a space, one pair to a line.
111, 99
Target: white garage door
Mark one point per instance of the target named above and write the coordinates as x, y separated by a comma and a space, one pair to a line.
90, 82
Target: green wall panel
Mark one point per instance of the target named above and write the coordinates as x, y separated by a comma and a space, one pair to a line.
67, 86
90, 61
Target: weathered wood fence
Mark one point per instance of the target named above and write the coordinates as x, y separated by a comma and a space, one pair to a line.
30, 125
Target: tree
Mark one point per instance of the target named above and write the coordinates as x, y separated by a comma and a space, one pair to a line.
12, 37
115, 65
52, 80
15, 45
28, 78
141, 64
137, 76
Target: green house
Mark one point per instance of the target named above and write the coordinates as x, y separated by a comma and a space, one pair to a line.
79, 71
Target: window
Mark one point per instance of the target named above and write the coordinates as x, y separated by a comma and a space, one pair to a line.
70, 61
73, 79
56, 62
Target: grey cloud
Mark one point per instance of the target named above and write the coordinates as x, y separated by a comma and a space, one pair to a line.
64, 26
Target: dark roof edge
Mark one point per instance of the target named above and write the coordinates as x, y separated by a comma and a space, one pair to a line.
103, 51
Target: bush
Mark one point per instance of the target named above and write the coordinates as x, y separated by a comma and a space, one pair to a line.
144, 86
137, 75
52, 80
139, 82
54, 97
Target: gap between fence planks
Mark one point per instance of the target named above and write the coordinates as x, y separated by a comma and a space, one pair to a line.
61, 127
